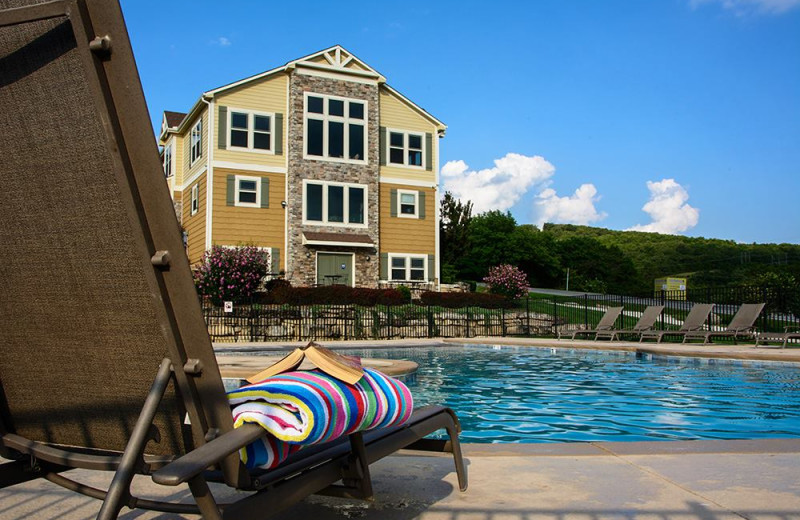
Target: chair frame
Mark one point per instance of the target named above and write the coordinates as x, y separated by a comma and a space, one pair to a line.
741, 325
691, 323
606, 323
645, 323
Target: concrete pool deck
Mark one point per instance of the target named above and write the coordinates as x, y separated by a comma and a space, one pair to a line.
669, 480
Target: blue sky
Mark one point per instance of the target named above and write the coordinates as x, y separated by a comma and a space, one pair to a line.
678, 116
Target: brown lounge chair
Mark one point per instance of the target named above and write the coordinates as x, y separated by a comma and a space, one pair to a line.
741, 325
694, 321
106, 360
645, 323
778, 337
605, 323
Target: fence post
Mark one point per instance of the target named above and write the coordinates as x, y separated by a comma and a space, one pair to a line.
528, 315
503, 321
468, 319
585, 311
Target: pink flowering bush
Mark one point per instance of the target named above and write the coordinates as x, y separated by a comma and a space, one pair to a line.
507, 280
231, 273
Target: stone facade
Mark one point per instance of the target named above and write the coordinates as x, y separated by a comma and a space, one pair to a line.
301, 259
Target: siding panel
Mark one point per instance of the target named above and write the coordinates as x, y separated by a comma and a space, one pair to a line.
195, 225
405, 235
397, 115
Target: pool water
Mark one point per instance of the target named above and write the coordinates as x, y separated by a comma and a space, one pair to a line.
512, 394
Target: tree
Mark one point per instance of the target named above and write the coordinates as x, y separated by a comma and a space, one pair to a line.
231, 273
453, 235
489, 243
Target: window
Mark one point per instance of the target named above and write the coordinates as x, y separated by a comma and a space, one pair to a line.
407, 203
248, 193
196, 144
336, 128
250, 130
168, 161
407, 268
405, 149
334, 203
195, 199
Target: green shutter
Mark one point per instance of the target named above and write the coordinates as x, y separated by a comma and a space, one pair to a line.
276, 260
431, 267
222, 135
393, 202
231, 195
421, 202
278, 134
264, 192
382, 145
384, 261
428, 151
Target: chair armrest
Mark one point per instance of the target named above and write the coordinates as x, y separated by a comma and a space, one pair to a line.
197, 461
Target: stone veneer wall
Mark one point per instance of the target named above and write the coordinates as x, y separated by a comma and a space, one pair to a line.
300, 269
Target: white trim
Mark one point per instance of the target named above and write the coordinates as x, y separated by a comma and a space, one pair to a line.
346, 121
237, 190
332, 243
250, 131
287, 229
210, 171
406, 182
351, 75
406, 134
169, 152
413, 193
194, 158
437, 209
407, 263
196, 175
250, 167
346, 204
194, 197
352, 265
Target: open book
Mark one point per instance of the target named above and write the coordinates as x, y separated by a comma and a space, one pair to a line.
344, 368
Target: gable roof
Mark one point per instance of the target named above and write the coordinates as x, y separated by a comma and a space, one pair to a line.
173, 119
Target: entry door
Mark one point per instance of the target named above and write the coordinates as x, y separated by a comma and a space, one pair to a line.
335, 269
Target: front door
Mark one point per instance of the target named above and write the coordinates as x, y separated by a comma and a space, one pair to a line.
335, 269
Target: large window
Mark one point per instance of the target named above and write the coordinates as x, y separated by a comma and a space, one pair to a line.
168, 161
407, 268
250, 130
196, 144
247, 193
336, 128
405, 149
195, 207
334, 203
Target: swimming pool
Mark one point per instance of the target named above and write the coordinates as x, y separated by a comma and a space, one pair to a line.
521, 394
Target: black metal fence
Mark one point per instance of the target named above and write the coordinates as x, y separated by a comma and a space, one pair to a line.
536, 315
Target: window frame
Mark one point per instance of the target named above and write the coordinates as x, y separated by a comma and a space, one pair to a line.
326, 118
237, 190
400, 193
196, 147
251, 131
194, 205
407, 257
406, 148
345, 201
168, 163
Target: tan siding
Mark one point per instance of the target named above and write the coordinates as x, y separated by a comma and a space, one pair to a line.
263, 227
195, 225
405, 235
187, 153
266, 95
397, 115
178, 140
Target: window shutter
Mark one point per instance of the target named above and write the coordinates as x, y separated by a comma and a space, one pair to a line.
428, 151
382, 145
278, 134
231, 195
421, 202
431, 268
222, 135
264, 192
384, 261
275, 253
393, 202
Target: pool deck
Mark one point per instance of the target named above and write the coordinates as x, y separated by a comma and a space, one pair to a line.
670, 480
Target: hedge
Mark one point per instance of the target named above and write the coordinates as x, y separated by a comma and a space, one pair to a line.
458, 300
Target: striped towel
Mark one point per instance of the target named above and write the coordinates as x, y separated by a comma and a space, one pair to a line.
309, 407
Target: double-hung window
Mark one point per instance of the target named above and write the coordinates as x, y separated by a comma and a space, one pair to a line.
250, 130
335, 128
196, 142
168, 161
408, 203
334, 203
405, 149
409, 268
195, 204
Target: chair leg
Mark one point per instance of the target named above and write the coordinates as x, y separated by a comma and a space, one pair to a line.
461, 471
204, 499
119, 493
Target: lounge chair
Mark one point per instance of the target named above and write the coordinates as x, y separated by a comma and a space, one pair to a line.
645, 323
694, 321
741, 325
106, 360
605, 323
778, 337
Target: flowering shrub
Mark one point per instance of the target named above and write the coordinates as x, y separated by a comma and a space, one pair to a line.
507, 280
231, 273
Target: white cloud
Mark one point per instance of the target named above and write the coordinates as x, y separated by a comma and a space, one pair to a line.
577, 208
499, 187
748, 7
668, 208
222, 42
